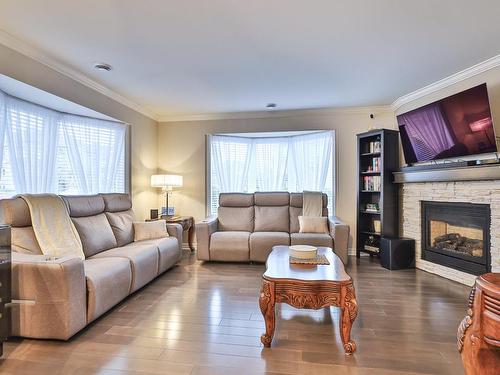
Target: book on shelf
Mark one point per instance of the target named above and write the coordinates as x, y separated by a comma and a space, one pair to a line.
375, 147
372, 183
372, 248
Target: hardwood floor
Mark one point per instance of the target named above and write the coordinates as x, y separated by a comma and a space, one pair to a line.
204, 319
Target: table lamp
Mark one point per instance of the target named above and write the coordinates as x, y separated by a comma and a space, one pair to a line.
167, 182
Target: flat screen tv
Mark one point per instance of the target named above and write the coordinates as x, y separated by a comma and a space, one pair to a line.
457, 126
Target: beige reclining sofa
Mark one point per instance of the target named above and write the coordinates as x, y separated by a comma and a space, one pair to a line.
54, 299
247, 226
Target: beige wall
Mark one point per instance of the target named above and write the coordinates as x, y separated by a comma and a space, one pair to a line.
492, 79
182, 151
144, 152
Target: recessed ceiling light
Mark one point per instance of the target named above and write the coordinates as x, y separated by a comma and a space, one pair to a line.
103, 66
271, 105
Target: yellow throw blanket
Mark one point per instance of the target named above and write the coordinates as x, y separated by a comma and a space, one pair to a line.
54, 230
312, 204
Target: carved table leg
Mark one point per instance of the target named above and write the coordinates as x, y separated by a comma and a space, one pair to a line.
349, 308
267, 302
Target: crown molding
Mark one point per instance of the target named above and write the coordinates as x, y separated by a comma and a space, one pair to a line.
274, 113
462, 75
36, 54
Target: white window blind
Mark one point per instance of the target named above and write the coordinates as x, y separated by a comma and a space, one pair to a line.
266, 163
43, 150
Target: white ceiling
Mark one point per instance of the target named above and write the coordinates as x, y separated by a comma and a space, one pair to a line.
189, 57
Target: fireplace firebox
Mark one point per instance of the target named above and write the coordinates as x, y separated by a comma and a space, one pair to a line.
457, 235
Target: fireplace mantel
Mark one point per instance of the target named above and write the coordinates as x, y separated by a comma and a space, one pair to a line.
471, 173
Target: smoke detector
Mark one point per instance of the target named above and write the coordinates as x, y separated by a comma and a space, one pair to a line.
103, 67
271, 105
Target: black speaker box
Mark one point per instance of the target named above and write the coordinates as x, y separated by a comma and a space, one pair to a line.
397, 253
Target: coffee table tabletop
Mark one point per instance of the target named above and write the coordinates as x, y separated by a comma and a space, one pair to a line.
279, 267
307, 287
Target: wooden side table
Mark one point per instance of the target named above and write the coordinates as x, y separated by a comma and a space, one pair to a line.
187, 223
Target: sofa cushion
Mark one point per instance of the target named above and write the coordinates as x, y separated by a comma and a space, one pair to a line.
261, 244
95, 233
168, 250
231, 246
313, 239
84, 205
116, 202
236, 218
297, 200
108, 282
121, 224
272, 219
235, 200
150, 230
313, 224
143, 259
23, 240
295, 212
275, 198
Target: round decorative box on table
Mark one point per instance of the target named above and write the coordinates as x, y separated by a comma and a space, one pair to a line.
303, 252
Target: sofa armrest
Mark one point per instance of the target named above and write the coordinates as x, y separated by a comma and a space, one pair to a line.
340, 234
175, 230
49, 297
204, 229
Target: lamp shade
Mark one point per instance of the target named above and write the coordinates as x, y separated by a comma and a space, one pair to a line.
166, 180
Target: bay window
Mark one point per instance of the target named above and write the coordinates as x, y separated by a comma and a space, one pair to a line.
291, 162
46, 151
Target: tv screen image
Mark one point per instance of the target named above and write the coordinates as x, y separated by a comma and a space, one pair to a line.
456, 126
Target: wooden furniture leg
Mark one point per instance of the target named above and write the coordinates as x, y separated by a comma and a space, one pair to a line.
267, 302
349, 308
191, 232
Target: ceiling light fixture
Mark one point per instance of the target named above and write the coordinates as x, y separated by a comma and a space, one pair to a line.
271, 105
103, 66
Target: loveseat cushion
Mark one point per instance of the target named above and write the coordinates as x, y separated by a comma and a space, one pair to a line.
108, 282
272, 219
295, 212
261, 244
274, 198
143, 259
122, 226
84, 205
95, 233
236, 200
236, 218
313, 239
168, 250
23, 240
231, 246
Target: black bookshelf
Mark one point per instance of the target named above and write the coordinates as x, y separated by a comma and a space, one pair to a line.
378, 158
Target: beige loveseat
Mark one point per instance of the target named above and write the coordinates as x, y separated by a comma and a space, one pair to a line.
247, 226
54, 299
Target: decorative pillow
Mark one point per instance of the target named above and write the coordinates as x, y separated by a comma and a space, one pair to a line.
313, 224
150, 230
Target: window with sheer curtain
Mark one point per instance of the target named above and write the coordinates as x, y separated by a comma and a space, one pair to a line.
274, 162
46, 151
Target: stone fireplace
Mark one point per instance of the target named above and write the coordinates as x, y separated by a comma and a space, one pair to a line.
451, 247
456, 235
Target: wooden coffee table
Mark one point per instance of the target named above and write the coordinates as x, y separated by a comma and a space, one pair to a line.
308, 287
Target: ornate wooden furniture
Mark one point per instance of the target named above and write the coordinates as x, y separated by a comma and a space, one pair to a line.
479, 332
308, 287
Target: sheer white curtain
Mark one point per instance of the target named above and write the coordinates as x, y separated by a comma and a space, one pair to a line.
95, 151
2, 127
311, 155
32, 136
270, 164
231, 157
